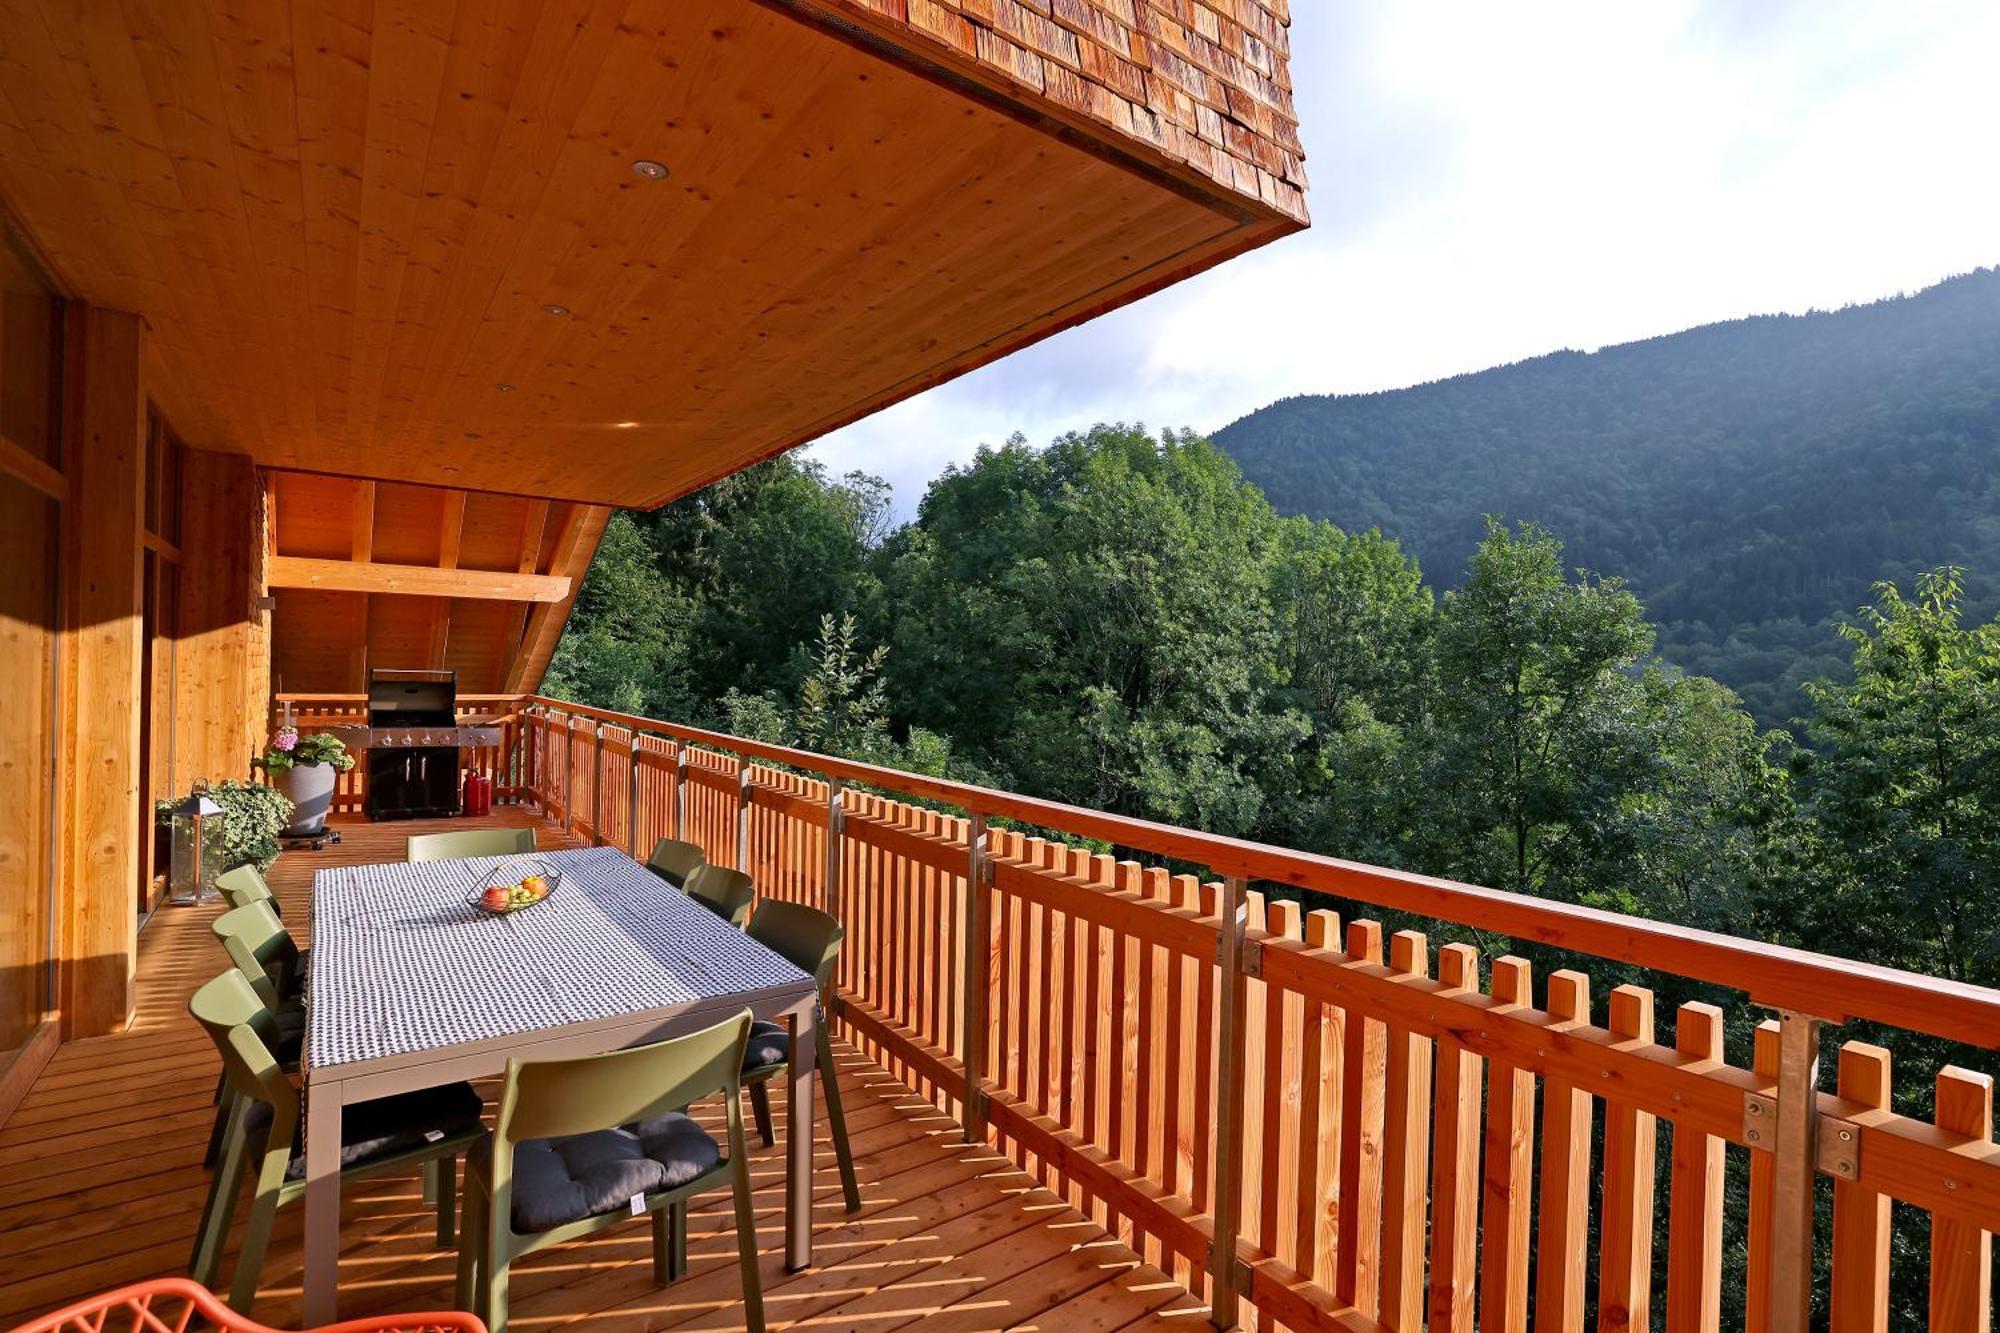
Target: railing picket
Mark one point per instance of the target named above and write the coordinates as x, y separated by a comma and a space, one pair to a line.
1285, 1156
1860, 1216
1506, 1220
1253, 1020
1406, 1142
1365, 1062
1319, 1210
1625, 1246
1694, 1205
1564, 1234
1455, 1163
1187, 1028
1961, 1299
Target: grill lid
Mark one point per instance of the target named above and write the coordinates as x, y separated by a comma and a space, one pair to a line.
411, 698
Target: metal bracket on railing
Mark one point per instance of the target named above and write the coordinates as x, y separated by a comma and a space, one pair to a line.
1760, 1121
1235, 1273
1836, 1142
1249, 956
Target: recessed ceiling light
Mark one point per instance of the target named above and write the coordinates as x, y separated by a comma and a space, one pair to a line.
561, 311
625, 425
504, 388
651, 170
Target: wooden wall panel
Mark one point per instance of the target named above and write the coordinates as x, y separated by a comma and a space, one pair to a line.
222, 694
102, 709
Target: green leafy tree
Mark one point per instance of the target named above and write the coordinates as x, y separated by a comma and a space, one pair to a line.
1904, 783
843, 708
627, 643
1541, 726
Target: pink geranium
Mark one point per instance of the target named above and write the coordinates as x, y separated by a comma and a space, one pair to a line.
286, 738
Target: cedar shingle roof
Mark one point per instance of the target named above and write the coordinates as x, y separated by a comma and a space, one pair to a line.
1201, 82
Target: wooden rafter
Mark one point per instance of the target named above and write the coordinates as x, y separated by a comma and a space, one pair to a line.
582, 528
451, 534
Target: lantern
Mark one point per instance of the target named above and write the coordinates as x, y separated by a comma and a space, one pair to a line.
191, 878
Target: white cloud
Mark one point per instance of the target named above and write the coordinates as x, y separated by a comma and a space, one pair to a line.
1496, 181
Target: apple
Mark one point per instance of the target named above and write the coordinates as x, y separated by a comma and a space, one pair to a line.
535, 887
495, 898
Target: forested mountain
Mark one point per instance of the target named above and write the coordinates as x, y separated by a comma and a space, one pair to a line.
1750, 480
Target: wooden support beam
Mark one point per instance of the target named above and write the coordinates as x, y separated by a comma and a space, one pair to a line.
583, 526
294, 571
18, 462
106, 646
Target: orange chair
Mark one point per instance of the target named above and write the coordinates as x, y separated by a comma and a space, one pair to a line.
172, 1304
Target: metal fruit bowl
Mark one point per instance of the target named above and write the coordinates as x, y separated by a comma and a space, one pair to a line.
509, 875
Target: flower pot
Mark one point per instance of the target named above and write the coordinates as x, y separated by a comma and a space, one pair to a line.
310, 787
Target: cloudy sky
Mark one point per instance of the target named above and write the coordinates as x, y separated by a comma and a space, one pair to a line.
1491, 182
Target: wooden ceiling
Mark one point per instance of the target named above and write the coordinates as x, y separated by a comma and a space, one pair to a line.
343, 222
357, 570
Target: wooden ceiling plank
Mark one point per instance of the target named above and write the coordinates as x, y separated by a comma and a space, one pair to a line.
297, 571
408, 57
340, 219
532, 523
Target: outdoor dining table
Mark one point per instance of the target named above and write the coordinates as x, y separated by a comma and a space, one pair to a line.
414, 986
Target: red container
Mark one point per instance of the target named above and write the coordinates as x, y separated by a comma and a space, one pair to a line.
478, 794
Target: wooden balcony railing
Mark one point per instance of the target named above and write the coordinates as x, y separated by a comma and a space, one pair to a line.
1311, 1125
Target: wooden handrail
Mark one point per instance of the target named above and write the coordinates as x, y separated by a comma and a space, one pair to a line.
1836, 989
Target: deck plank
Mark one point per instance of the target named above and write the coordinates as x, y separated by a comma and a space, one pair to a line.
101, 1184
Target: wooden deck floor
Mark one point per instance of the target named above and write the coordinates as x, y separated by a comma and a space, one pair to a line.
101, 1183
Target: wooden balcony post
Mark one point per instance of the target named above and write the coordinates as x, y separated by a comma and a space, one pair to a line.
1797, 1117
972, 953
569, 773
632, 799
743, 813
596, 784
836, 819
1226, 1195
680, 790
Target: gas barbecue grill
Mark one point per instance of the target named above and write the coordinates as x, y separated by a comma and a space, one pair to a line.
414, 743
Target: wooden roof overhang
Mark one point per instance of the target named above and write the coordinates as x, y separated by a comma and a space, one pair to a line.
406, 241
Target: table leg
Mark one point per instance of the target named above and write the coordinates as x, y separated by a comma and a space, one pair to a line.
322, 1202
799, 1141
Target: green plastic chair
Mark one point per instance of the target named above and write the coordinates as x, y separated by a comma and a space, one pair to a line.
390, 1133
245, 885
263, 950
810, 940
621, 1105
471, 842
727, 893
673, 861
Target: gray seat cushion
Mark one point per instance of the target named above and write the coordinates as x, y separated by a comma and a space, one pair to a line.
370, 1131
557, 1181
769, 1044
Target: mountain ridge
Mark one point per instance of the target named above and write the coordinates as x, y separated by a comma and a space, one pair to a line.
1751, 479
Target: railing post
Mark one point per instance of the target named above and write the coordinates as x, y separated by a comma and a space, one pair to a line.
681, 790
1226, 1195
596, 784
972, 953
836, 820
569, 773
632, 799
743, 813
1797, 1116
